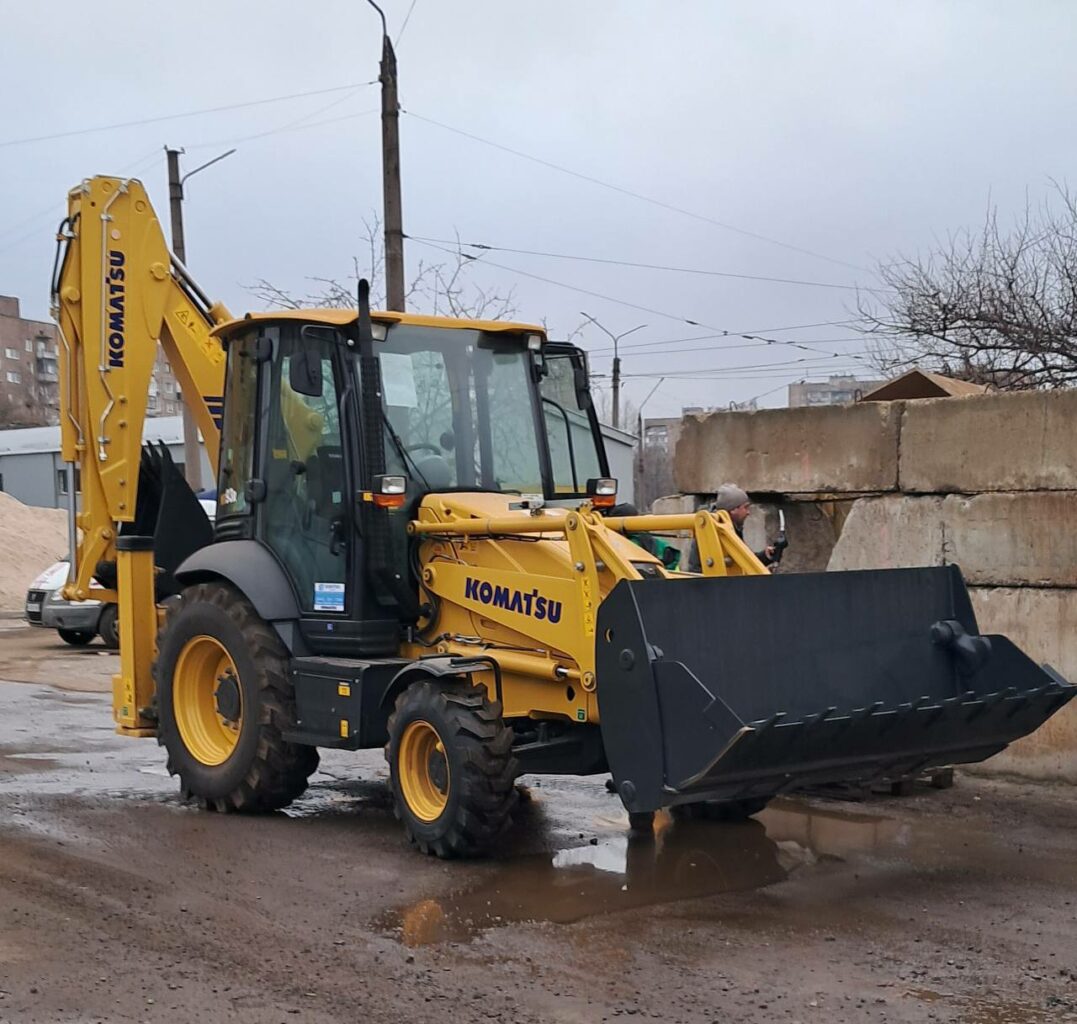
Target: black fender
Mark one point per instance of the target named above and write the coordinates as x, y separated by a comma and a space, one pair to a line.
251, 569
438, 666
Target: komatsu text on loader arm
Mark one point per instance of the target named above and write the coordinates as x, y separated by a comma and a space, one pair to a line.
414, 549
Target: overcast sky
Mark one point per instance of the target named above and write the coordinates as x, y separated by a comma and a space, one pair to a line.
846, 132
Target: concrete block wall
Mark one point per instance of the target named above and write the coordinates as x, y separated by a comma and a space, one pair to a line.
986, 482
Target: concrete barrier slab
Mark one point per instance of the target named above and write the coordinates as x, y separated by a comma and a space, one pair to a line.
1042, 623
833, 450
1003, 442
890, 532
1022, 539
676, 505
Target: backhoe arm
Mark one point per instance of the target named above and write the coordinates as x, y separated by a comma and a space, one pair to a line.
117, 291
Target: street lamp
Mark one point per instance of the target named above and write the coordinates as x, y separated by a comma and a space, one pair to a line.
650, 395
643, 477
192, 455
616, 363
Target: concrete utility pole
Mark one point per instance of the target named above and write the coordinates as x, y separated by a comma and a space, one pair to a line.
390, 171
192, 453
616, 364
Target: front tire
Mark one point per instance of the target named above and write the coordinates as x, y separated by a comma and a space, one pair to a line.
223, 700
108, 627
451, 767
75, 637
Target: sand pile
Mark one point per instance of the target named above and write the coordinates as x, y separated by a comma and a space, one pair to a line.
31, 539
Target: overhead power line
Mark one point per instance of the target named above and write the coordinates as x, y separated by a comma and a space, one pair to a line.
635, 195
54, 210
764, 394
844, 324
188, 113
635, 305
662, 349
648, 266
788, 375
284, 128
760, 330
403, 28
804, 363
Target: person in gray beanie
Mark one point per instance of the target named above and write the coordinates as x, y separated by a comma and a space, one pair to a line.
734, 500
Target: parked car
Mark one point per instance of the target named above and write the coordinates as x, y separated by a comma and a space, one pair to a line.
78, 622
54, 576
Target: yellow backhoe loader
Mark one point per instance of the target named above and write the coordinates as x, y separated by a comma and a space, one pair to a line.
414, 549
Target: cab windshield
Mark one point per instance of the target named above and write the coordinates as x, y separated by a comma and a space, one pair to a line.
459, 409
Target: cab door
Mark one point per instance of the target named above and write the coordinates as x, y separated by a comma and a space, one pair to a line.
305, 510
573, 435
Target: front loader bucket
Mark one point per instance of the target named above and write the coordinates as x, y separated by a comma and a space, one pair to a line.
745, 687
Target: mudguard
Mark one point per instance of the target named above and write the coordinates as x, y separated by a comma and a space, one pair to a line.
251, 568
744, 687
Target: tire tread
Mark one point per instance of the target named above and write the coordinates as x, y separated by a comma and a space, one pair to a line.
279, 770
487, 793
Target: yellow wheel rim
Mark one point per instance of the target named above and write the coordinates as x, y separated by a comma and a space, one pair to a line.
423, 770
207, 700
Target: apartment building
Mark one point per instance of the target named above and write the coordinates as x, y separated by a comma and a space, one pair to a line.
29, 372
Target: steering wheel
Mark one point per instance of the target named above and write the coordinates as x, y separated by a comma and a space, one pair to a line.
433, 448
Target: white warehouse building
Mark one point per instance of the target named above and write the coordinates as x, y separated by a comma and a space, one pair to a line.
32, 470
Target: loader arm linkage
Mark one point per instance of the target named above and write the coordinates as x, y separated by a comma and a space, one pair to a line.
596, 563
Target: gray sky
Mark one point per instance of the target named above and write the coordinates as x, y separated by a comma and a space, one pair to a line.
854, 130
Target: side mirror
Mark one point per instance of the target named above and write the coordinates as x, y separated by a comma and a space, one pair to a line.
305, 373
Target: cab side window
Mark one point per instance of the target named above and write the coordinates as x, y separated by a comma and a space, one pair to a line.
305, 511
238, 428
573, 448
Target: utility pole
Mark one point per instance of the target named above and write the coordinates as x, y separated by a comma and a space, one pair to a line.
390, 171
616, 364
175, 204
192, 452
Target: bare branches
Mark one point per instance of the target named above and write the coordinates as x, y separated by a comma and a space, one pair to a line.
440, 289
272, 296
996, 306
603, 398
32, 404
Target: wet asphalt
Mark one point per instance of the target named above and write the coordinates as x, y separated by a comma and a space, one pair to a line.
119, 903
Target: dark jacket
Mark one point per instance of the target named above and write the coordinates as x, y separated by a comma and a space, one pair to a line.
693, 564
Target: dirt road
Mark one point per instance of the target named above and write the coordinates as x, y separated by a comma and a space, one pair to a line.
117, 903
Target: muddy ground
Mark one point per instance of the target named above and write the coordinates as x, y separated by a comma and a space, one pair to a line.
117, 903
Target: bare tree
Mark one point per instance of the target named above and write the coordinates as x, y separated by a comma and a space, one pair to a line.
440, 289
603, 399
33, 404
997, 306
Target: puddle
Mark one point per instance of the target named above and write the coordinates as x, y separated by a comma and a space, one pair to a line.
837, 833
685, 860
681, 860
17, 764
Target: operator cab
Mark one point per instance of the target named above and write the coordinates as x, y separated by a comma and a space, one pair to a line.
464, 406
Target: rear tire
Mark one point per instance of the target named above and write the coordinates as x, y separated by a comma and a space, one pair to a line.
75, 637
224, 699
108, 627
719, 810
451, 767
